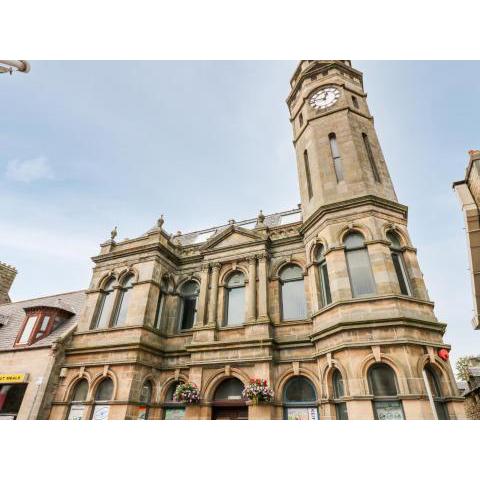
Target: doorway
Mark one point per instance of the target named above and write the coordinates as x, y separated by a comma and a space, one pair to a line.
228, 403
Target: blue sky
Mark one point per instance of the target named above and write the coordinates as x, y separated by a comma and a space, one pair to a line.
89, 145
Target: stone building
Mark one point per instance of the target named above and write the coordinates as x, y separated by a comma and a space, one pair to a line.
468, 191
7, 276
326, 302
33, 337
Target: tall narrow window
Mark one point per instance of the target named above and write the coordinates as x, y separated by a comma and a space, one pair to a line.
338, 395
398, 263
383, 387
300, 120
337, 161
106, 305
188, 309
307, 174
292, 293
122, 308
368, 149
77, 407
358, 263
324, 287
160, 306
235, 300
103, 395
355, 101
434, 390
28, 329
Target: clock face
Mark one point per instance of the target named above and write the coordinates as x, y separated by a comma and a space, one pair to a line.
326, 97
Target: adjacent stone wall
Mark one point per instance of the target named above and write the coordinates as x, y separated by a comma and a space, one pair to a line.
7, 276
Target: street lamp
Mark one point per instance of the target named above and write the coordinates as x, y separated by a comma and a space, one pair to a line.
10, 66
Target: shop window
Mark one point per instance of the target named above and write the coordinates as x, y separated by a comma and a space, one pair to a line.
383, 386
292, 293
11, 397
103, 395
300, 399
77, 406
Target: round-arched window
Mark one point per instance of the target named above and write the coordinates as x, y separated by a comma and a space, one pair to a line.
188, 310
434, 391
173, 409
300, 399
79, 396
123, 301
292, 293
338, 394
235, 299
145, 399
103, 395
383, 386
105, 307
229, 389
324, 282
399, 263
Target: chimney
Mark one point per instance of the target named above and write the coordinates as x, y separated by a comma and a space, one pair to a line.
7, 276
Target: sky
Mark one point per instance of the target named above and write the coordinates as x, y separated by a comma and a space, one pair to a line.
86, 146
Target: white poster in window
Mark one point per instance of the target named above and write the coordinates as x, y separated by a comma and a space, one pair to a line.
76, 412
302, 413
101, 412
174, 413
389, 411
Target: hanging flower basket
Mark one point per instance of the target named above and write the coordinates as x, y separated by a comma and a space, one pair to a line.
258, 391
187, 393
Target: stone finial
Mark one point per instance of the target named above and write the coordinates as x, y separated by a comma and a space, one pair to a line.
260, 219
160, 221
113, 234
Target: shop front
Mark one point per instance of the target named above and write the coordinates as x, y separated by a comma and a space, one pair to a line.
12, 391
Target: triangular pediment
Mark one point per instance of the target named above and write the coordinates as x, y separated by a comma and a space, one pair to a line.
231, 237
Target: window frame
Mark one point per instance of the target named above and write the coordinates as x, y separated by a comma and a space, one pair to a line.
73, 402
322, 271
308, 174
183, 298
99, 403
336, 157
354, 249
55, 317
282, 282
437, 402
104, 293
398, 253
371, 158
122, 290
311, 404
227, 292
341, 410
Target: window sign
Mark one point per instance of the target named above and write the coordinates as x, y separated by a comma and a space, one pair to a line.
76, 412
101, 412
389, 411
142, 413
302, 413
174, 413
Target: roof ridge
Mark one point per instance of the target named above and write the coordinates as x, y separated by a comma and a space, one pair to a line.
45, 296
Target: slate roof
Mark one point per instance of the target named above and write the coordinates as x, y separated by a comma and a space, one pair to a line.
12, 316
272, 220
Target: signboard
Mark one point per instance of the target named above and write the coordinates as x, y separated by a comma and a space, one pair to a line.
101, 412
389, 411
76, 412
174, 413
302, 413
13, 377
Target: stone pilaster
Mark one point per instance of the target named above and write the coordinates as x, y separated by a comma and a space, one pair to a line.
202, 299
252, 289
263, 287
213, 300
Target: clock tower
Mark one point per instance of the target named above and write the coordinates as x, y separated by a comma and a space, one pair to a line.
338, 154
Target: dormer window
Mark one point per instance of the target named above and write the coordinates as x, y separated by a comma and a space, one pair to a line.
39, 323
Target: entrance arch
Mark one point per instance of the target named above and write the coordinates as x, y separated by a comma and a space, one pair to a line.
228, 402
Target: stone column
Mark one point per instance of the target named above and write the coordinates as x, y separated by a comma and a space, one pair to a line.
212, 304
252, 290
202, 299
263, 287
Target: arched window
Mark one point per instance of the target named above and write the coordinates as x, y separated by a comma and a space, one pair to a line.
77, 407
104, 312
188, 309
338, 395
324, 283
123, 301
358, 263
103, 395
145, 400
307, 174
300, 399
371, 160
173, 409
292, 293
229, 389
398, 263
434, 390
235, 299
337, 161
383, 387
355, 102
160, 305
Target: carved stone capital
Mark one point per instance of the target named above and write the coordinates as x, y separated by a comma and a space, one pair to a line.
251, 259
263, 257
216, 266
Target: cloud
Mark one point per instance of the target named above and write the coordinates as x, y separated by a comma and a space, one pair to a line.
28, 171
